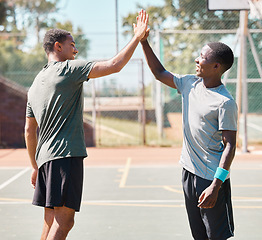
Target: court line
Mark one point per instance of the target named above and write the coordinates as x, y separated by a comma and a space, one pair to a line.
134, 203
10, 180
125, 173
170, 189
252, 125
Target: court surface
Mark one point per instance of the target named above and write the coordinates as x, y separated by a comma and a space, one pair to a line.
129, 193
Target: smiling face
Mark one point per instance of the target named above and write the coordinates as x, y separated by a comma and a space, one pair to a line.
68, 49
205, 65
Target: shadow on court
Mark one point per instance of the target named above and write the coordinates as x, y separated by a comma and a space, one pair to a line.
132, 193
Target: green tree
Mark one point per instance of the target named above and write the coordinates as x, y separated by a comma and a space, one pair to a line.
38, 14
180, 50
3, 10
19, 62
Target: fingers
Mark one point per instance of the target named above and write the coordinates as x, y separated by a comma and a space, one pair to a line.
140, 28
200, 200
142, 16
33, 178
205, 202
33, 183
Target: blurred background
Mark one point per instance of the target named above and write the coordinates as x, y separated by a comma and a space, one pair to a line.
127, 108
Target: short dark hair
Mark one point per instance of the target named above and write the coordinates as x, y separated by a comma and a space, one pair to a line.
222, 54
52, 36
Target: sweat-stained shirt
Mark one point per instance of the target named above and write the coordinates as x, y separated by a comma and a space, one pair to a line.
55, 100
206, 112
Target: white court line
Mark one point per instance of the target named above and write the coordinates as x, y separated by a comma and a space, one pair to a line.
10, 180
256, 127
26, 201
252, 125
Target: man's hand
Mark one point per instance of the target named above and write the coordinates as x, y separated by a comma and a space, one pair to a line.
140, 27
145, 36
209, 196
33, 177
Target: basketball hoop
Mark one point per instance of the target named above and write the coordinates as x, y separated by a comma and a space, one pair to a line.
255, 8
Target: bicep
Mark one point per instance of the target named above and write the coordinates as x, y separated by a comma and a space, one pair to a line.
167, 78
102, 68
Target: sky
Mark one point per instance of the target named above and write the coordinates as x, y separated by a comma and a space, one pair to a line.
97, 20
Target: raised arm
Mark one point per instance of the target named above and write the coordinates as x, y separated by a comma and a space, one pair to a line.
155, 65
115, 64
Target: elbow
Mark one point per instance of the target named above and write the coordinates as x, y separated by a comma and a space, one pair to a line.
116, 66
29, 131
117, 69
157, 76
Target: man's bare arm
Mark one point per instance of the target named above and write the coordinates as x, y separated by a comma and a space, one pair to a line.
155, 65
31, 143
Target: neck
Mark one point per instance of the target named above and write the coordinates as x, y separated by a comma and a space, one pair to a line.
54, 57
212, 82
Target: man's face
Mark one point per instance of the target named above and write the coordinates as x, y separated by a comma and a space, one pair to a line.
204, 63
68, 48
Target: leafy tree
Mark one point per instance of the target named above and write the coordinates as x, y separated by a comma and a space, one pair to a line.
37, 14
3, 10
19, 63
180, 50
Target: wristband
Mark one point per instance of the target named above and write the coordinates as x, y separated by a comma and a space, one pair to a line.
221, 174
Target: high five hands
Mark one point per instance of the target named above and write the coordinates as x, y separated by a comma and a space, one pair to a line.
140, 28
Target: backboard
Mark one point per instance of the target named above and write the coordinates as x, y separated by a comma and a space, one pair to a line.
214, 5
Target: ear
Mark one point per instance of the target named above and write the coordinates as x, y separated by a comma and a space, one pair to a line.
217, 65
58, 46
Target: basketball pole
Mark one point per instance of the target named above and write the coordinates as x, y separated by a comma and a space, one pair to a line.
242, 90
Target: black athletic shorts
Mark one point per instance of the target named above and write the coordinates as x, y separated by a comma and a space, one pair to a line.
214, 223
60, 183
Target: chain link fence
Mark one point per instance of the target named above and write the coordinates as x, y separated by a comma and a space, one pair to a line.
184, 64
121, 107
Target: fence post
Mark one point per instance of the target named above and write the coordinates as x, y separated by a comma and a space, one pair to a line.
94, 110
159, 104
143, 104
243, 73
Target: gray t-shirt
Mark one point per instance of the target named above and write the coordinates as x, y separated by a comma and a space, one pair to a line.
55, 100
206, 112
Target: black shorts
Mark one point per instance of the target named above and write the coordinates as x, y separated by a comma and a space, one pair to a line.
60, 183
214, 223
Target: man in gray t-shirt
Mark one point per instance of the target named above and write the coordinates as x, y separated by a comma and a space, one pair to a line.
55, 101
55, 106
206, 113
209, 138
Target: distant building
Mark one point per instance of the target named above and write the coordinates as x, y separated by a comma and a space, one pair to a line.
12, 116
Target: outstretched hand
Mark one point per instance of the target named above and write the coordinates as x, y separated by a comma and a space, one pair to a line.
145, 36
140, 28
